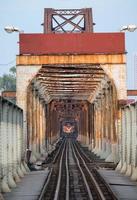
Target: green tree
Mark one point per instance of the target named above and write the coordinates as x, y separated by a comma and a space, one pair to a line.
8, 81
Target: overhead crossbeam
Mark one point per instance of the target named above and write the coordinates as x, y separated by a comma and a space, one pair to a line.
66, 21
71, 81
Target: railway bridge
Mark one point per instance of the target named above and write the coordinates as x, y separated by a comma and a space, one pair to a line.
70, 74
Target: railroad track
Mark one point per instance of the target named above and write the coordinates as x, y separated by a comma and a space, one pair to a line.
99, 189
73, 178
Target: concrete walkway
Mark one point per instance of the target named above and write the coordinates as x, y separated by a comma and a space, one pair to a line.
122, 186
29, 188
31, 185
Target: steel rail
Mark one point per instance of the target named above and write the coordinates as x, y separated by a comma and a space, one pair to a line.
86, 157
59, 176
91, 176
67, 175
45, 185
49, 175
55, 158
95, 170
83, 175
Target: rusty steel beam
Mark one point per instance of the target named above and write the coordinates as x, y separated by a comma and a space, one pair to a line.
83, 66
9, 94
96, 59
69, 87
70, 79
67, 84
67, 81
68, 94
132, 92
71, 76
70, 90
78, 72
73, 88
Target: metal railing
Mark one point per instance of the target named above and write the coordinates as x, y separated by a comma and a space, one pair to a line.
128, 144
12, 152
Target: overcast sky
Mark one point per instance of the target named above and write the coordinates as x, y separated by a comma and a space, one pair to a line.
109, 16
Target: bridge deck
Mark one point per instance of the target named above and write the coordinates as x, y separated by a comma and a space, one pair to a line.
29, 188
121, 185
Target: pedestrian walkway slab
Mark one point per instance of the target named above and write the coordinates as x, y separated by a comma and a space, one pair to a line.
29, 188
121, 185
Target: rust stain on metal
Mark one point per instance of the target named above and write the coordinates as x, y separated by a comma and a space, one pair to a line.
85, 43
132, 92
70, 59
9, 94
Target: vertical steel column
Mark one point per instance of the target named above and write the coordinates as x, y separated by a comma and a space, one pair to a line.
31, 128
46, 132
82, 126
35, 125
95, 127
33, 154
48, 127
110, 126
124, 140
129, 141
119, 131
44, 124
30, 117
88, 20
91, 126
107, 123
98, 127
38, 126
51, 123
102, 125
115, 124
86, 125
103, 107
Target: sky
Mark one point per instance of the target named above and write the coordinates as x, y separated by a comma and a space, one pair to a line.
109, 16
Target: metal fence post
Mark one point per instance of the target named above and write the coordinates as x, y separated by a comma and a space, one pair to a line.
134, 143
123, 141
4, 184
128, 141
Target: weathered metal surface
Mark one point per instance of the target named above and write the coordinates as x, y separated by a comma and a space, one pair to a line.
128, 151
70, 59
56, 83
11, 147
74, 20
8, 94
86, 43
124, 102
132, 92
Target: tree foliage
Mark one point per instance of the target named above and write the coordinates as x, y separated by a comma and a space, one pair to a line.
8, 81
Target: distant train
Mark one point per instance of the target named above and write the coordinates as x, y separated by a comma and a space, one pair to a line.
69, 129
